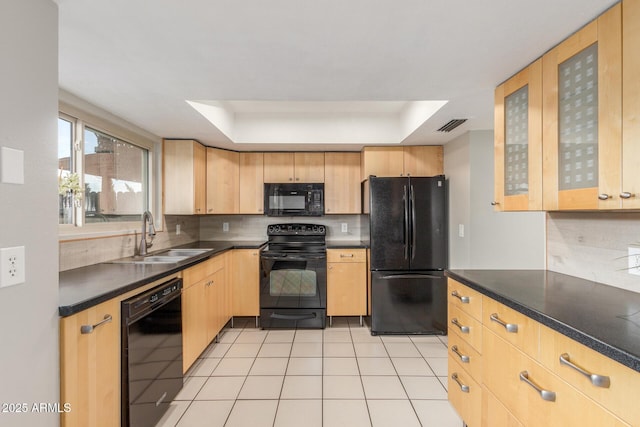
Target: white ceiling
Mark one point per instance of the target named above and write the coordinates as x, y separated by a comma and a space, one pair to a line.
143, 60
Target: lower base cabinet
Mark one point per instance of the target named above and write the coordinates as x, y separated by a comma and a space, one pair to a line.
346, 282
521, 381
206, 306
90, 366
245, 282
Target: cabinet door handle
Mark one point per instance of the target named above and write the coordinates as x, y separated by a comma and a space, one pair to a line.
549, 396
464, 300
597, 380
510, 327
346, 256
463, 358
463, 387
604, 196
626, 195
495, 203
463, 329
87, 329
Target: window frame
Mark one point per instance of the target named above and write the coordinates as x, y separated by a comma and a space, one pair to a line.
81, 115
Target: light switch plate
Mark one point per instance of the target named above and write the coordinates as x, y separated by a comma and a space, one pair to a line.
12, 266
11, 166
225, 227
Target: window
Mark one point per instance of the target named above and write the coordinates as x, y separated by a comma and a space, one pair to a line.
102, 178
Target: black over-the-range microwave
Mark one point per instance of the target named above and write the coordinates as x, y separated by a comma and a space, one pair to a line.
294, 199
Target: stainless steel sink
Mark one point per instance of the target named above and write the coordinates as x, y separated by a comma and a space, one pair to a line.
170, 256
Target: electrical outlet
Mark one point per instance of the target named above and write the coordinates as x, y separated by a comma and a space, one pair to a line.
12, 266
344, 227
460, 230
634, 260
225, 227
178, 229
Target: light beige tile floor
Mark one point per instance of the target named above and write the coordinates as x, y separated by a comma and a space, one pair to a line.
340, 376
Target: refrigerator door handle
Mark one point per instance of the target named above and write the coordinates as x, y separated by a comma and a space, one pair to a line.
412, 203
405, 199
410, 276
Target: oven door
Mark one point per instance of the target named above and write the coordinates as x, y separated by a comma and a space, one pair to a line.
293, 280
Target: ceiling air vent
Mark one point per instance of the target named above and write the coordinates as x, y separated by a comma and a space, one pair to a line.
448, 127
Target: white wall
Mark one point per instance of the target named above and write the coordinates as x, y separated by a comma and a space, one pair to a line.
492, 240
28, 122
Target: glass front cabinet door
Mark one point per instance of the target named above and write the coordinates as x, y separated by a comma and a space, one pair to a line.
518, 141
582, 104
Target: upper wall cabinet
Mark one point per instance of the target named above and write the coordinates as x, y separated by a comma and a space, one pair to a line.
402, 161
223, 186
630, 189
582, 129
294, 167
518, 141
342, 183
184, 177
251, 183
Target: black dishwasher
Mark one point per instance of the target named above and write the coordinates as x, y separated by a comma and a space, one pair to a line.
151, 353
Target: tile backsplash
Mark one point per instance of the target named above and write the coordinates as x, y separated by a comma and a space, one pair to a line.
593, 245
254, 227
80, 252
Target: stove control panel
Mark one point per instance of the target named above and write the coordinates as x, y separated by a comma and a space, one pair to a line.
296, 229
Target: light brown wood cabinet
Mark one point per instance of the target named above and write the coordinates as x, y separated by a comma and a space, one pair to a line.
465, 352
206, 306
184, 177
223, 181
251, 183
630, 188
293, 167
518, 141
519, 358
246, 282
582, 109
342, 183
90, 367
346, 282
402, 161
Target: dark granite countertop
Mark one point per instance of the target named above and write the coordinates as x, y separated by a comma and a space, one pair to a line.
604, 318
347, 244
85, 287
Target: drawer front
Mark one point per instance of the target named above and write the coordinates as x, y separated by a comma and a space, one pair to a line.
494, 412
503, 369
201, 271
466, 356
465, 298
466, 327
464, 394
516, 328
346, 255
616, 395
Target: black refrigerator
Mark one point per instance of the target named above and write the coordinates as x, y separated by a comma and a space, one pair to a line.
409, 253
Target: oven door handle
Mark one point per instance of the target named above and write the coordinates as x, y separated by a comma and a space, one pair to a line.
293, 316
411, 276
293, 258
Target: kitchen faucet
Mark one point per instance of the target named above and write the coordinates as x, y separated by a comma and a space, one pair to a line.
144, 244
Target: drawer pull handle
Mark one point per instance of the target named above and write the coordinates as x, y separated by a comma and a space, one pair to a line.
597, 380
463, 329
464, 300
549, 396
510, 327
626, 195
346, 256
87, 329
463, 358
463, 387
